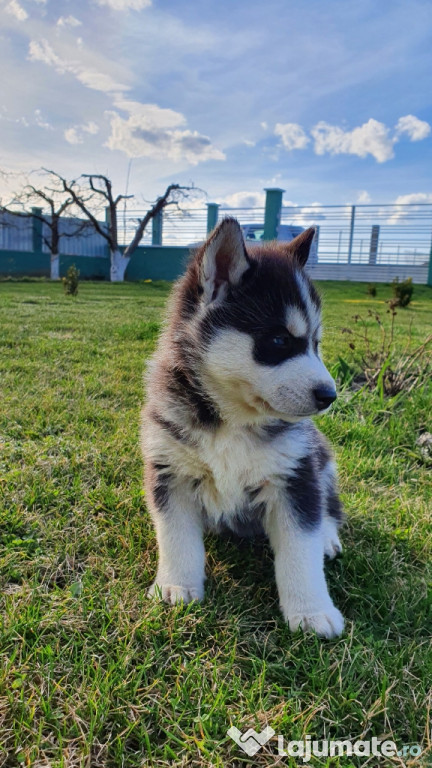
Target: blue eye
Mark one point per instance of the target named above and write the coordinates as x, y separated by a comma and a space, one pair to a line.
280, 341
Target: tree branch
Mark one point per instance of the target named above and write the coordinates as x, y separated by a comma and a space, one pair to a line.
158, 206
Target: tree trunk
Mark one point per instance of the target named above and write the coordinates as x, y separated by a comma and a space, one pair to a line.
118, 266
55, 267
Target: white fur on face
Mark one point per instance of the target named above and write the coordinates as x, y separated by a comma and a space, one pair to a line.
284, 390
296, 322
312, 311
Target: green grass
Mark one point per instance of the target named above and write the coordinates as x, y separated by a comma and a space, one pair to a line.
93, 674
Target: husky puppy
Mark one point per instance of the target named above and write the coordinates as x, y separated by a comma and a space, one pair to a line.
226, 433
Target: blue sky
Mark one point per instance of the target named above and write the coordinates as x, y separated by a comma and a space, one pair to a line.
329, 100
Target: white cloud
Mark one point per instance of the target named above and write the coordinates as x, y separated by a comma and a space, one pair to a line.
15, 9
414, 197
371, 138
150, 131
244, 200
42, 51
413, 127
304, 215
75, 134
91, 127
86, 74
68, 21
18, 120
98, 81
363, 197
410, 199
39, 120
292, 135
125, 5
72, 137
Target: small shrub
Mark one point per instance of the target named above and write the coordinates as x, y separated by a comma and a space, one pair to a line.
371, 289
375, 362
71, 281
403, 291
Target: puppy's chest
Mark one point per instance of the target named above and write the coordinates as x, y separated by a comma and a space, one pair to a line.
230, 466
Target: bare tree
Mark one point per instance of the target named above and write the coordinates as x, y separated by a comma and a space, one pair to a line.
48, 203
100, 187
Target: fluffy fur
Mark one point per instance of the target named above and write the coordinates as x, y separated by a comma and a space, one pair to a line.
226, 433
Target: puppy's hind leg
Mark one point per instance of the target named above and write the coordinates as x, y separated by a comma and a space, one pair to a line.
332, 544
334, 515
178, 524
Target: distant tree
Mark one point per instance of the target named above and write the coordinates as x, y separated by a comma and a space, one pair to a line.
100, 189
47, 202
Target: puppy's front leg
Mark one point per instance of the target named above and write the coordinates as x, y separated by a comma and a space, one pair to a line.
299, 565
180, 574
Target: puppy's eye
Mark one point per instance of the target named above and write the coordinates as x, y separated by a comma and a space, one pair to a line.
281, 340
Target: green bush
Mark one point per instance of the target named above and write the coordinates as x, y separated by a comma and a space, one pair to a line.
71, 281
402, 291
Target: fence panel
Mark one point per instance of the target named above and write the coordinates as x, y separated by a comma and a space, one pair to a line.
78, 238
381, 234
16, 232
376, 242
187, 226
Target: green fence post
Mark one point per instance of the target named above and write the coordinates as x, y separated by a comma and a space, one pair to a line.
36, 230
157, 229
273, 207
212, 216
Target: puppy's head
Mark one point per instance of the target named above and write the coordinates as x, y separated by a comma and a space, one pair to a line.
259, 327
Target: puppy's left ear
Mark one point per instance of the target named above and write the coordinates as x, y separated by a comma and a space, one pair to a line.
300, 247
224, 260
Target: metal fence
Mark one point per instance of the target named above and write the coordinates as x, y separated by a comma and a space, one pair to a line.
359, 234
368, 234
358, 242
77, 236
16, 233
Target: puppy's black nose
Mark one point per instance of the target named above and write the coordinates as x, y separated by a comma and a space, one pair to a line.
324, 397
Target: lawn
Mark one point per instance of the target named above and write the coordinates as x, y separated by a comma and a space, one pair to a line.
93, 674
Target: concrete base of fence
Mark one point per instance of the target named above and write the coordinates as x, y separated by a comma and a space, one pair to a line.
147, 263
90, 267
24, 264
156, 262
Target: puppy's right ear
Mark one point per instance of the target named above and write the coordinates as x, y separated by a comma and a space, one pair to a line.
224, 260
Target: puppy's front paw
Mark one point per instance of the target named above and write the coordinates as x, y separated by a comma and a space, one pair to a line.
328, 623
175, 593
